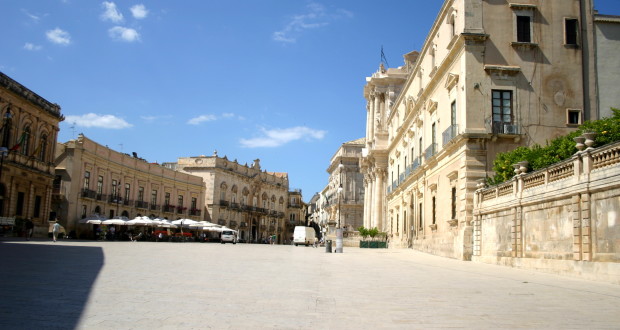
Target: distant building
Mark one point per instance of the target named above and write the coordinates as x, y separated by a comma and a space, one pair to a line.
28, 139
94, 179
607, 43
246, 198
345, 191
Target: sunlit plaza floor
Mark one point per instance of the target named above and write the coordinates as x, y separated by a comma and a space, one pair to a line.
144, 285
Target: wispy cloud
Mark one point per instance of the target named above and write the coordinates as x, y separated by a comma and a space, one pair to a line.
201, 119
58, 36
210, 117
316, 16
33, 17
32, 47
277, 137
110, 12
100, 121
124, 34
139, 11
154, 118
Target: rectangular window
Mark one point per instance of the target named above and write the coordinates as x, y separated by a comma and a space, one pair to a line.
453, 203
434, 138
434, 210
573, 117
154, 197
180, 201
570, 31
127, 189
37, 206
100, 185
140, 194
114, 188
83, 211
194, 203
502, 106
19, 207
86, 180
167, 199
421, 216
453, 114
524, 29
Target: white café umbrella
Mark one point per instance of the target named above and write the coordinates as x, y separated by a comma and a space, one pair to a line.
116, 221
184, 222
165, 223
139, 221
203, 224
94, 219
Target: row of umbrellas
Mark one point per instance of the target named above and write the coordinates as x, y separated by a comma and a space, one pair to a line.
157, 222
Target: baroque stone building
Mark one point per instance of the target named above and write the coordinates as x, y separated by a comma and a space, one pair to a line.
28, 134
344, 194
94, 179
490, 77
246, 198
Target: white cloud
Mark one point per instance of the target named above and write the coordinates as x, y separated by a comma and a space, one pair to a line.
58, 36
315, 17
111, 13
31, 46
277, 137
200, 119
101, 121
139, 11
124, 34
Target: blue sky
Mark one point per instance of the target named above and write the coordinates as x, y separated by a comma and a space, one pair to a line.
272, 79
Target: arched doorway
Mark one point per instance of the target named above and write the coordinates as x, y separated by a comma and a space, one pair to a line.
254, 230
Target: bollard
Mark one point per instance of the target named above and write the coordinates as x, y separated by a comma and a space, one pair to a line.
328, 246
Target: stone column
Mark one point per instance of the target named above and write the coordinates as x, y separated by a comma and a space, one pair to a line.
378, 202
576, 205
371, 124
586, 231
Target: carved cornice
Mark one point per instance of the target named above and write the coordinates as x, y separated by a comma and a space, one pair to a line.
30, 96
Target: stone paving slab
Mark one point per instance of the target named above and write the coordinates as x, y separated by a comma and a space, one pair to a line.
143, 285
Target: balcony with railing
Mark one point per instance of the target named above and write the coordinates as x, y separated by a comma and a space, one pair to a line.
114, 199
100, 197
505, 128
154, 207
142, 205
195, 212
450, 133
169, 208
431, 150
234, 206
223, 203
87, 193
181, 209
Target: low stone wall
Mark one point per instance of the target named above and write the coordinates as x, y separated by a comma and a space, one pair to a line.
563, 219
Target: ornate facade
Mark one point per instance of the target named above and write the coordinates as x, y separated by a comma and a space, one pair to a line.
246, 198
490, 77
28, 138
94, 179
345, 207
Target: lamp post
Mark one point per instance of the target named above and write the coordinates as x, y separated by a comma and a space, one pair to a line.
4, 151
339, 242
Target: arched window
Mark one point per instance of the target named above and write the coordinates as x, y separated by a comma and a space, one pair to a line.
6, 127
25, 141
42, 148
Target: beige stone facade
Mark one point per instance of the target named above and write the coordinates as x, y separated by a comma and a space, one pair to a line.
29, 132
563, 219
94, 179
490, 77
246, 198
345, 207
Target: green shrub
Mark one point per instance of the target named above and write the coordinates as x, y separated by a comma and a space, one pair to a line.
556, 150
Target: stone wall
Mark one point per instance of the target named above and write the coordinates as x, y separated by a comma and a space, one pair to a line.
563, 219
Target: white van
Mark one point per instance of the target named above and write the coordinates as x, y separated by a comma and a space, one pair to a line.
304, 235
229, 236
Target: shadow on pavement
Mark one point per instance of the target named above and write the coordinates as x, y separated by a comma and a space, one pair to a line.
45, 286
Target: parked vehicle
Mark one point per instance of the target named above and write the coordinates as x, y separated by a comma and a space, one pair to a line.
304, 235
229, 236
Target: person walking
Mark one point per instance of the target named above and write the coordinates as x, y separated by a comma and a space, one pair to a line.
55, 230
29, 229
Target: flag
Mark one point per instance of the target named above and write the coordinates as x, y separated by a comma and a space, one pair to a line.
19, 143
37, 149
383, 59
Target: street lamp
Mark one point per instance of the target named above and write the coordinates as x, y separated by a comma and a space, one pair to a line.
340, 167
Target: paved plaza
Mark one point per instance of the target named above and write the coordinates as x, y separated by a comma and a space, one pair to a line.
142, 285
